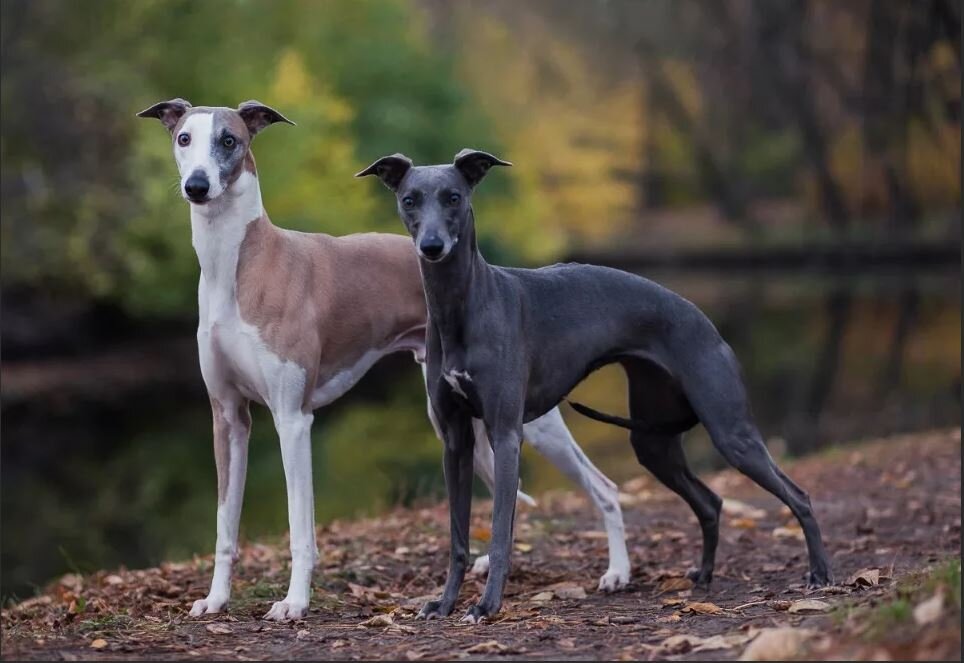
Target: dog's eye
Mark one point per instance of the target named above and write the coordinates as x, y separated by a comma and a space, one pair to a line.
228, 141
455, 199
408, 202
184, 140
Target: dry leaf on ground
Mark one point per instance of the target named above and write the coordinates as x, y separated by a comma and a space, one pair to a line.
377, 621
218, 629
808, 605
864, 578
703, 608
930, 610
674, 585
487, 647
789, 532
777, 644
682, 643
568, 590
99, 643
738, 509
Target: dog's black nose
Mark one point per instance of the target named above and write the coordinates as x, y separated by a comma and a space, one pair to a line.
431, 247
196, 187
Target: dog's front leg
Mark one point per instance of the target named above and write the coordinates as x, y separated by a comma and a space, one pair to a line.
232, 426
458, 481
507, 445
294, 430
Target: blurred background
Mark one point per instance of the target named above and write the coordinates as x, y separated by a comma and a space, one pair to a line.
792, 166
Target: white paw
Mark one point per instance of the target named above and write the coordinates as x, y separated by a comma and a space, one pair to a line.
481, 566
287, 610
208, 606
613, 579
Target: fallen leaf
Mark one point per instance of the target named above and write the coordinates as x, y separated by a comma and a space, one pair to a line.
808, 605
378, 621
302, 634
541, 597
218, 629
789, 532
777, 644
682, 643
703, 608
674, 585
864, 578
114, 580
481, 533
99, 643
675, 617
487, 647
523, 547
568, 590
671, 601
930, 610
780, 606
743, 523
738, 509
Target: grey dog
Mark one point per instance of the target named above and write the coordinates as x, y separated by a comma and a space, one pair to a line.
506, 345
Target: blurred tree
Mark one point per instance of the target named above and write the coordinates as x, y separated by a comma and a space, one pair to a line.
90, 196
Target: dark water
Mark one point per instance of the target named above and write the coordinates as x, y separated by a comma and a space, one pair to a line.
826, 359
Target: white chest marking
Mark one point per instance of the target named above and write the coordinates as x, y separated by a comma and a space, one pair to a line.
453, 377
231, 350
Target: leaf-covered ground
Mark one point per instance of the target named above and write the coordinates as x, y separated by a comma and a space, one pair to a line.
890, 511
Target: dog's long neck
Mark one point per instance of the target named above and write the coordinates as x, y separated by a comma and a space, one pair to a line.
217, 231
448, 284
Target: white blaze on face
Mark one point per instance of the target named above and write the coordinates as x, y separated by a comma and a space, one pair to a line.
197, 156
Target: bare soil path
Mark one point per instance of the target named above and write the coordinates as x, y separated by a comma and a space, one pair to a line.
890, 507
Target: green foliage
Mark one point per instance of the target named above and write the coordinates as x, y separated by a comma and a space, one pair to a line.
96, 209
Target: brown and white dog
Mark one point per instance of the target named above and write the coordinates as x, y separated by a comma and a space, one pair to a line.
292, 321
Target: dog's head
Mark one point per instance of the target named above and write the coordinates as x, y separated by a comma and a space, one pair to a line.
434, 202
212, 145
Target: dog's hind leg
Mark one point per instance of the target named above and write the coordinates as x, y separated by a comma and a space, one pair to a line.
550, 436
663, 456
656, 397
715, 389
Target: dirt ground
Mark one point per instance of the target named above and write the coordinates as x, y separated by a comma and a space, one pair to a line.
889, 509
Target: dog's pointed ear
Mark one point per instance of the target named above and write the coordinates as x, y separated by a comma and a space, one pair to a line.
474, 164
390, 170
168, 112
257, 116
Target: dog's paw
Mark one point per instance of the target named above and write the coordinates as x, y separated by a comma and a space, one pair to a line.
481, 566
819, 578
613, 580
287, 610
209, 606
434, 610
475, 615
700, 578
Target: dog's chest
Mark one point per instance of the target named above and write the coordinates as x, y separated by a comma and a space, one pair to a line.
232, 354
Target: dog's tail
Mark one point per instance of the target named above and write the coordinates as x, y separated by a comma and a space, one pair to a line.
669, 428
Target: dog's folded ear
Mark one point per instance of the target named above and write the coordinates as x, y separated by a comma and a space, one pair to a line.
168, 112
390, 170
257, 116
474, 164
